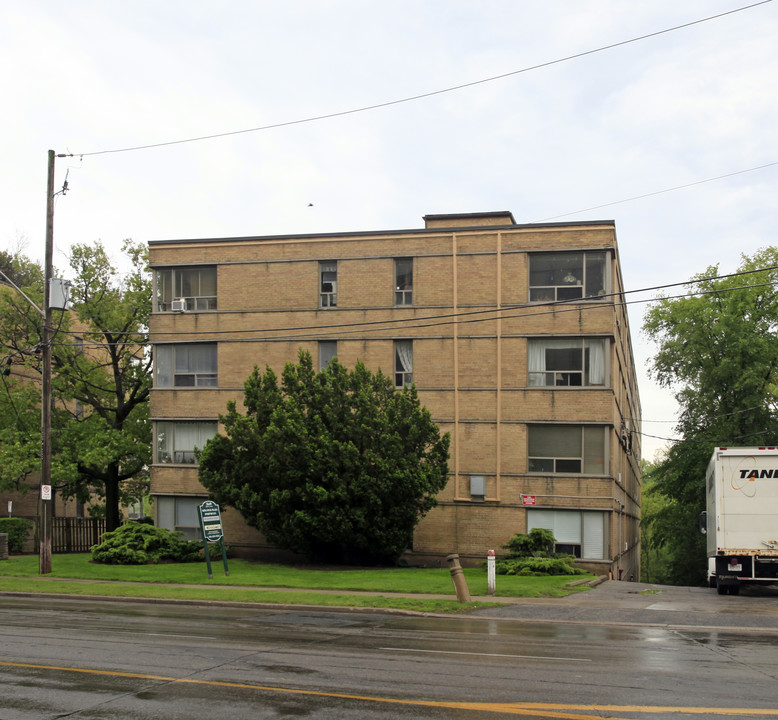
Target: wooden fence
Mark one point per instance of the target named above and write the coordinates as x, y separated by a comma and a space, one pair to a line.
75, 534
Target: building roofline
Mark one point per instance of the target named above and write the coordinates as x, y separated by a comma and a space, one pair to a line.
379, 233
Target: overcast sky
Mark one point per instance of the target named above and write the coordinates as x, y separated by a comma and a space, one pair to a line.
554, 142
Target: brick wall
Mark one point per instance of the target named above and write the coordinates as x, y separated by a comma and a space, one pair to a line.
469, 374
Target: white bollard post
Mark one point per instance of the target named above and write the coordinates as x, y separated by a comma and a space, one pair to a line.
491, 573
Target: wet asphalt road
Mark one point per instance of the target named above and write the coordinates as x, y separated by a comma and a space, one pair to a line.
622, 650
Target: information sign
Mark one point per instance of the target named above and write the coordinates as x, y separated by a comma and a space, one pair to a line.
45, 492
527, 499
211, 527
211, 520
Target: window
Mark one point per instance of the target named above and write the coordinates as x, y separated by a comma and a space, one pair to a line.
177, 441
194, 288
403, 363
581, 533
180, 514
568, 449
567, 276
566, 362
189, 365
328, 349
328, 283
403, 281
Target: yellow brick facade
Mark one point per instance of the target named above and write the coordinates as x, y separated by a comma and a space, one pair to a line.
472, 327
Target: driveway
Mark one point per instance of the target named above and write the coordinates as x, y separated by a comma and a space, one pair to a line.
613, 602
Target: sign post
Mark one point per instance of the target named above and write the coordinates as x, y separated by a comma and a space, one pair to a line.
211, 528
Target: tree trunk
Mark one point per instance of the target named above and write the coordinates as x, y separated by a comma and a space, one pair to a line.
112, 516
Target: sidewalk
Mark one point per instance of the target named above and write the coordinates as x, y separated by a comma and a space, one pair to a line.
627, 603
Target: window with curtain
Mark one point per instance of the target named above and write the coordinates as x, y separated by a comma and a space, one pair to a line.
582, 533
328, 350
180, 514
559, 276
176, 442
185, 365
403, 363
328, 283
555, 362
195, 286
567, 449
403, 281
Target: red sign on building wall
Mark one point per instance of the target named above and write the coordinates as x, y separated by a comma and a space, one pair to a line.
528, 500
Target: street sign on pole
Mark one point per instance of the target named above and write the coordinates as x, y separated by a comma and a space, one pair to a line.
211, 528
211, 520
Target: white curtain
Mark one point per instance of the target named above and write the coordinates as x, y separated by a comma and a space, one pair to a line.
163, 362
404, 350
187, 436
536, 358
596, 362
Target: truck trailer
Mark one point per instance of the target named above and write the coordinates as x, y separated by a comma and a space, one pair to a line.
741, 518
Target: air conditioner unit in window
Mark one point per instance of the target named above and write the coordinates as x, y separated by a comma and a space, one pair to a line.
178, 305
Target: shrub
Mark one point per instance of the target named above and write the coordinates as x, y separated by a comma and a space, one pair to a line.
538, 543
533, 554
538, 566
139, 543
18, 529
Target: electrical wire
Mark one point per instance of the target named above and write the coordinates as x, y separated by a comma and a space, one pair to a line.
660, 192
572, 306
327, 333
420, 96
575, 305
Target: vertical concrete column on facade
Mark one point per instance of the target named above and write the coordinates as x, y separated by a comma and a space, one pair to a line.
455, 345
498, 408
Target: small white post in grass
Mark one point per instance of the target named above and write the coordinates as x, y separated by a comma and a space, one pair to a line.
491, 573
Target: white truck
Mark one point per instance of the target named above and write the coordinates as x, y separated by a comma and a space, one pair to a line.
741, 518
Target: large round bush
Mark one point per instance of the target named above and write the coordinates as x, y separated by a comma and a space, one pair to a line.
138, 544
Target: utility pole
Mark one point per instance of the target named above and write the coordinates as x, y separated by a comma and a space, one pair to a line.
45, 484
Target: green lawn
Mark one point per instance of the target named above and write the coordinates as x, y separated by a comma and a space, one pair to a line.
258, 582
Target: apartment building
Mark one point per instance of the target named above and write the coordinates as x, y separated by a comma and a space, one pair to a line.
515, 336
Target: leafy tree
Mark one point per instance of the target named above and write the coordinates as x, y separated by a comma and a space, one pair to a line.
335, 465
718, 352
101, 437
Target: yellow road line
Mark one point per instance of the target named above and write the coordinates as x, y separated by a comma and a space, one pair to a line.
547, 710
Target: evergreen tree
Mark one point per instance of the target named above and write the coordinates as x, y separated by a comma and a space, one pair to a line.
335, 465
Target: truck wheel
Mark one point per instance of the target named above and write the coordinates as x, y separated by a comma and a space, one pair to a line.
734, 589
721, 589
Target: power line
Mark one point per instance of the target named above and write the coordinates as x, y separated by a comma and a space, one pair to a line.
660, 192
703, 441
420, 96
449, 318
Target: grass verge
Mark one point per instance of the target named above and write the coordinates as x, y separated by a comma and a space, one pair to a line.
245, 595
256, 582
